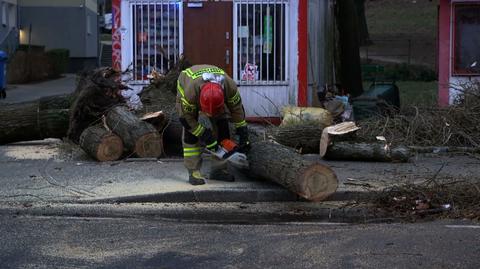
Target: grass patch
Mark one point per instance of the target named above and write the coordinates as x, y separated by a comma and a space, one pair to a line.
393, 17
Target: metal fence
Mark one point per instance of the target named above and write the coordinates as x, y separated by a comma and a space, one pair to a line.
262, 41
156, 36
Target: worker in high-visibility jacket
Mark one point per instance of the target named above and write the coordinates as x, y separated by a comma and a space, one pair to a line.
208, 90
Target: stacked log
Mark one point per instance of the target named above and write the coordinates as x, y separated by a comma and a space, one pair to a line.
139, 137
101, 144
305, 136
280, 164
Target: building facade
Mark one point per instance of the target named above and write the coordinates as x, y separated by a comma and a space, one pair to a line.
276, 50
62, 24
9, 27
459, 43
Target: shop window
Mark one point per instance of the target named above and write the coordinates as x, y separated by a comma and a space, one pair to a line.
156, 37
261, 41
466, 39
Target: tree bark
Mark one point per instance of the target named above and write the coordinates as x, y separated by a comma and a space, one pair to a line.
46, 117
101, 144
378, 151
280, 164
138, 136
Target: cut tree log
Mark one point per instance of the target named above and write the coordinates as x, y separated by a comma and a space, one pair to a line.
101, 144
342, 131
304, 137
46, 117
375, 151
338, 143
138, 136
310, 180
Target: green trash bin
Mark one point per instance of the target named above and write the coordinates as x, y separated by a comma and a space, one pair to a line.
380, 99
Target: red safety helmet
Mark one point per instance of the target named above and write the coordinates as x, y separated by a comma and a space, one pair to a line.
212, 99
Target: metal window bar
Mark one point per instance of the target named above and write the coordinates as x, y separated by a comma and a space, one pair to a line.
156, 36
148, 40
240, 44
141, 40
261, 41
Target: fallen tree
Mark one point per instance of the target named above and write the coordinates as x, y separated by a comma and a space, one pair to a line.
280, 164
44, 118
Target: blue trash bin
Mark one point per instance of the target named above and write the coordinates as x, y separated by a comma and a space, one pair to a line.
3, 73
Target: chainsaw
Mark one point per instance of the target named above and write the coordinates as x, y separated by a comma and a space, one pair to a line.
228, 151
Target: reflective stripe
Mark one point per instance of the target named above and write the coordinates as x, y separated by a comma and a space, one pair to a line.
240, 124
186, 105
212, 145
235, 99
199, 73
198, 131
191, 154
197, 149
180, 89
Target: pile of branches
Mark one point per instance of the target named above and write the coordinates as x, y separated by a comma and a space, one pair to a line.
450, 199
454, 126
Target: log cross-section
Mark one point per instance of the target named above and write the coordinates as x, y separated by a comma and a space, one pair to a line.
138, 136
101, 144
310, 180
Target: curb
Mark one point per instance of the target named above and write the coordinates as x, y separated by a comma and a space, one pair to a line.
213, 213
203, 196
224, 196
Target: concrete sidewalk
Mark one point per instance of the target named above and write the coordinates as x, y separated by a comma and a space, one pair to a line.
17, 93
42, 172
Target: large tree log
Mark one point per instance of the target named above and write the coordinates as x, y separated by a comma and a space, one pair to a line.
46, 117
378, 151
280, 164
304, 137
101, 144
138, 136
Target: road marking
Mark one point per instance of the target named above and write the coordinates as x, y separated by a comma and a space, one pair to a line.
463, 226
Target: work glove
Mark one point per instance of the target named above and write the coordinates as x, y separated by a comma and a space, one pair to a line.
209, 140
244, 143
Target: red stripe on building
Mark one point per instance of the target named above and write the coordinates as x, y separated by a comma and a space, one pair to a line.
116, 36
444, 52
302, 52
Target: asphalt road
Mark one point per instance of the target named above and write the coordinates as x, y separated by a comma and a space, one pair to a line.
66, 242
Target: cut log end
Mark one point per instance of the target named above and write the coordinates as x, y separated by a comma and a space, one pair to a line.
318, 182
149, 146
110, 148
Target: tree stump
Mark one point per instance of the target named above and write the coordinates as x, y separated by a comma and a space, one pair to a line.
310, 180
138, 136
101, 144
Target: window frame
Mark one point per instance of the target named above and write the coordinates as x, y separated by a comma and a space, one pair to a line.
455, 41
286, 44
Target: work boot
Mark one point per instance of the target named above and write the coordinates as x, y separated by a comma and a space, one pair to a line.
221, 175
196, 178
